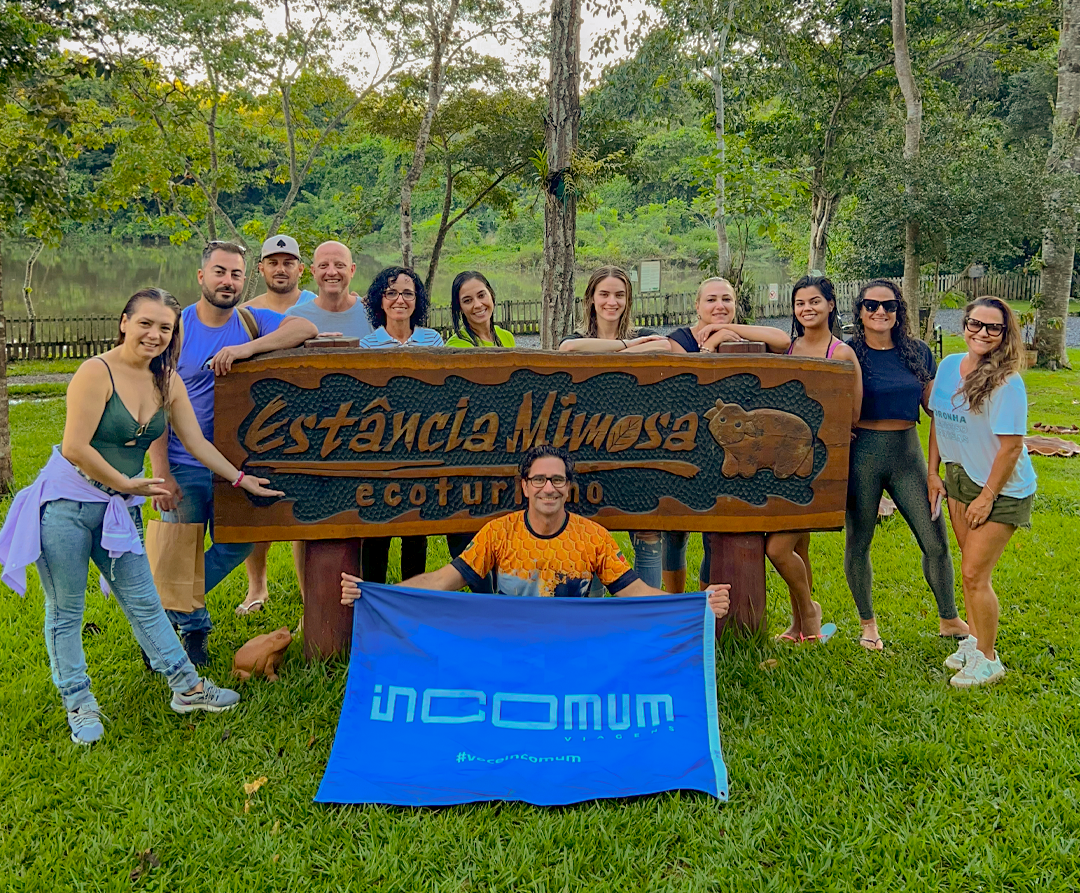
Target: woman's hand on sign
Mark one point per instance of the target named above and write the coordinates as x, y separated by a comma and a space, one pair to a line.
257, 486
148, 487
719, 598
350, 588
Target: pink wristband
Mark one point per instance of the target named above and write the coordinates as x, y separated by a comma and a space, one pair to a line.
236, 483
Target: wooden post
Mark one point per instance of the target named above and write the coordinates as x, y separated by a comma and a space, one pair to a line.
739, 559
327, 622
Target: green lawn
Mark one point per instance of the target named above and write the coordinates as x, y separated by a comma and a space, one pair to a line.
849, 770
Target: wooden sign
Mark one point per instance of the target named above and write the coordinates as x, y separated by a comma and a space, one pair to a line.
377, 443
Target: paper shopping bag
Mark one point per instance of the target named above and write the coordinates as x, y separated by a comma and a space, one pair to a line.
175, 553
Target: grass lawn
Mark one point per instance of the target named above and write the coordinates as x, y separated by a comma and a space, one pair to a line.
849, 770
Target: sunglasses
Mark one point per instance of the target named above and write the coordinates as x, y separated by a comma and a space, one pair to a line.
872, 306
214, 244
992, 328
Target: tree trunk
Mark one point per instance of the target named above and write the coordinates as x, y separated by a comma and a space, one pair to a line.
717, 51
1063, 165
912, 139
935, 303
444, 224
560, 200
6, 474
28, 300
822, 208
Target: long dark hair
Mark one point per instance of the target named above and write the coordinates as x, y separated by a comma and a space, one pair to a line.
907, 348
459, 320
378, 287
164, 364
825, 286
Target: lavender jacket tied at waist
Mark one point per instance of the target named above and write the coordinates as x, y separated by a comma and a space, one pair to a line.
20, 538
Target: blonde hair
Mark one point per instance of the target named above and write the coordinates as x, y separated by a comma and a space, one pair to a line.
588, 327
1005, 359
711, 280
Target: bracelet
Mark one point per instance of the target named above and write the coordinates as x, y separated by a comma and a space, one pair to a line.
236, 483
624, 344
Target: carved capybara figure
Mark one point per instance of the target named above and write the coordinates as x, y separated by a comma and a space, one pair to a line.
262, 655
761, 438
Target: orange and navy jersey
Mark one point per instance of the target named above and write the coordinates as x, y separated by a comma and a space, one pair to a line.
562, 564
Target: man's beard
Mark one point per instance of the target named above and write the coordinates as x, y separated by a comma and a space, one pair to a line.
286, 289
222, 301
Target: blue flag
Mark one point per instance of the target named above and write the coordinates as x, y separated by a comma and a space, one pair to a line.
456, 697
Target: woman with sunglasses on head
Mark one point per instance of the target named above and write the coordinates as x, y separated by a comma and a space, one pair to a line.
84, 506
979, 407
397, 305
607, 316
813, 320
472, 312
716, 309
886, 456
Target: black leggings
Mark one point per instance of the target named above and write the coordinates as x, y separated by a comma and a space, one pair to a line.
892, 462
375, 556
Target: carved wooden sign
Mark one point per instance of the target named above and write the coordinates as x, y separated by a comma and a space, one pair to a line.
374, 443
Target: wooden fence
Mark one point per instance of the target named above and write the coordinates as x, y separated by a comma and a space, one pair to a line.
52, 338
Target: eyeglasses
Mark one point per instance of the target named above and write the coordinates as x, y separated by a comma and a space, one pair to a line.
215, 244
391, 295
558, 481
872, 306
992, 328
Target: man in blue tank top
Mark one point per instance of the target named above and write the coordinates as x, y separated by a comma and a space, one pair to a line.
213, 336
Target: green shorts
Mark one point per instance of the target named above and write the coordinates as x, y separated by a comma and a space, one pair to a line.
1006, 510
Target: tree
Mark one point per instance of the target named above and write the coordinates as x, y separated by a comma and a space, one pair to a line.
560, 195
1063, 168
447, 29
913, 105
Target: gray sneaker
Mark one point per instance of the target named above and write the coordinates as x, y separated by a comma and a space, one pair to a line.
979, 670
962, 654
211, 698
85, 722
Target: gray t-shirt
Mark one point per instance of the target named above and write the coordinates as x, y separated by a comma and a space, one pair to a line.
352, 323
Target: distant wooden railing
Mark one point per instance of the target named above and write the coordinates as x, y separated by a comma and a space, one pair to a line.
51, 338
84, 336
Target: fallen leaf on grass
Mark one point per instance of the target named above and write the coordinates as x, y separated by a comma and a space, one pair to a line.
91, 629
276, 856
276, 828
771, 664
225, 733
148, 861
250, 787
310, 741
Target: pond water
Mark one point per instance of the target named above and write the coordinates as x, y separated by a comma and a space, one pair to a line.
82, 280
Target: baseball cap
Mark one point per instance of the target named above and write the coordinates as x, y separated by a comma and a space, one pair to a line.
280, 245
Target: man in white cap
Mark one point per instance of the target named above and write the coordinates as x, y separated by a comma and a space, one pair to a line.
281, 268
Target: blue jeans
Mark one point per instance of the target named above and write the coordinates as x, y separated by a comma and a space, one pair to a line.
646, 563
675, 554
197, 507
70, 539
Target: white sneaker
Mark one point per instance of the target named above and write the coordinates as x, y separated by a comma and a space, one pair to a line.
962, 654
979, 670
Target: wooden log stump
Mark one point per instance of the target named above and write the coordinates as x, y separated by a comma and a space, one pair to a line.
327, 622
739, 559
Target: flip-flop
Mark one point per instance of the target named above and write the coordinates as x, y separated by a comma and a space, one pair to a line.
254, 607
875, 642
784, 637
828, 630
956, 637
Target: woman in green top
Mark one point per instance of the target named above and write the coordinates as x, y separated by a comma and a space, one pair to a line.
472, 309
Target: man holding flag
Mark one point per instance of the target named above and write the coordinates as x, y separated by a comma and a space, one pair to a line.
543, 550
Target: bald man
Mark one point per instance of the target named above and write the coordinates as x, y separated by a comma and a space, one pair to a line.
336, 310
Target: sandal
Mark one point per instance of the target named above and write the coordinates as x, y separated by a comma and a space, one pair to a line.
874, 644
828, 630
784, 637
242, 610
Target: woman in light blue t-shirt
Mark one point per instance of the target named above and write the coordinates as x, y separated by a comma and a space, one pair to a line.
979, 408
